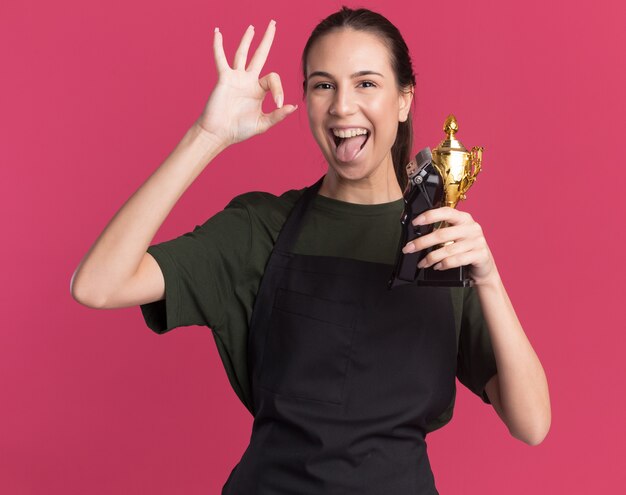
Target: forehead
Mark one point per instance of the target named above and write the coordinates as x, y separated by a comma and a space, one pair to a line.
346, 51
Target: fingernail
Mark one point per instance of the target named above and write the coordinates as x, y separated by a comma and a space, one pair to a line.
409, 248
279, 101
437, 266
273, 22
418, 220
421, 264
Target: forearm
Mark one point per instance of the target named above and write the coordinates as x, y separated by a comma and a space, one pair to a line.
116, 254
523, 388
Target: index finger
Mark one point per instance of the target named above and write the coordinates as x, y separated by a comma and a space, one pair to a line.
260, 55
438, 214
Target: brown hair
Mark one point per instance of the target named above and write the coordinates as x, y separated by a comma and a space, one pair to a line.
400, 61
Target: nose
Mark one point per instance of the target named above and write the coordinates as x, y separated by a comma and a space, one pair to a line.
343, 103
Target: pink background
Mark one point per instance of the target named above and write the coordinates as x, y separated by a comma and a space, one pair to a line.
94, 96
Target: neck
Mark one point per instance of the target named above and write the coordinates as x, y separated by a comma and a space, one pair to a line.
380, 187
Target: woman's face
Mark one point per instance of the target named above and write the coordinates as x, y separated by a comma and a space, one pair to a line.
337, 96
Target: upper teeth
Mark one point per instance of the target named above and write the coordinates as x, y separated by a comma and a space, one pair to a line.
345, 133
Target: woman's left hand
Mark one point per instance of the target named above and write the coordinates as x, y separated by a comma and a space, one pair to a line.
469, 246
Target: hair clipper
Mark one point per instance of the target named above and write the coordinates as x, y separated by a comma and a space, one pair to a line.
424, 191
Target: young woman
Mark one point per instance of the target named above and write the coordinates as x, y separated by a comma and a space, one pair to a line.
343, 376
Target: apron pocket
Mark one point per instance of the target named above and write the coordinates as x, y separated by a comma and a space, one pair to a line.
307, 352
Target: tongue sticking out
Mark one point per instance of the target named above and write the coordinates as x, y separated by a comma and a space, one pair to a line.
349, 147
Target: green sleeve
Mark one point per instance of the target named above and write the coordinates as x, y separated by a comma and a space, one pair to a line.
476, 362
200, 269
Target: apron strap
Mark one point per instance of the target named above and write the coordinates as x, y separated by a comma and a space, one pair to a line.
290, 229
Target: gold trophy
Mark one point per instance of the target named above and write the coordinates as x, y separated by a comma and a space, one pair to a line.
455, 164
458, 169
436, 179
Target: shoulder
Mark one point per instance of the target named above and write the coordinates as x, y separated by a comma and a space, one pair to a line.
267, 209
267, 200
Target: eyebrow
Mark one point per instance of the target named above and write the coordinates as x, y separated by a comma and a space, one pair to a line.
356, 74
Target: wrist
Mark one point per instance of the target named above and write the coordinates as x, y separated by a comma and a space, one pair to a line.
211, 140
492, 280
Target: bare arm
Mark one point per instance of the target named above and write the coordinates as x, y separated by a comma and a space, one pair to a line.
117, 253
117, 271
519, 391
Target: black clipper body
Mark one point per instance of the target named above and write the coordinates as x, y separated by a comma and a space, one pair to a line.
424, 191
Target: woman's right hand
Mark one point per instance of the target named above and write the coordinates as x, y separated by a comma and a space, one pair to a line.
233, 112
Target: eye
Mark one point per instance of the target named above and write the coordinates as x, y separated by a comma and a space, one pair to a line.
328, 84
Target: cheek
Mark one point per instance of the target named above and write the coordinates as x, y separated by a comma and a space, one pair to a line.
315, 109
385, 113
386, 127
315, 122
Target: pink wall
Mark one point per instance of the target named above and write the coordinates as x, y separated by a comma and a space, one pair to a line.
94, 96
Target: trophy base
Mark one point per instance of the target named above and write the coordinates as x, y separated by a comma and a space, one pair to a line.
452, 277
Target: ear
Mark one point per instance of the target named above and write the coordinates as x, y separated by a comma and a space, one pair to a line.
405, 98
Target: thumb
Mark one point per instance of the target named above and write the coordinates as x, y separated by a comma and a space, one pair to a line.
277, 115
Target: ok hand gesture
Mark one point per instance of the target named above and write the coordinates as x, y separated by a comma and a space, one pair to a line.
233, 112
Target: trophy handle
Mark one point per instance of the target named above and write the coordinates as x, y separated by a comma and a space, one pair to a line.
476, 158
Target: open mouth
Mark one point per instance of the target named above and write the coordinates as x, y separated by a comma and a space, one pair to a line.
337, 140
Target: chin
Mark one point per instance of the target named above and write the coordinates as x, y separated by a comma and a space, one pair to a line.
351, 172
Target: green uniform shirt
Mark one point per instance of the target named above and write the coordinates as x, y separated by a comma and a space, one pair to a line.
212, 275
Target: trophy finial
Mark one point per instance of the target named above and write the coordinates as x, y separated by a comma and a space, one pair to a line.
450, 126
